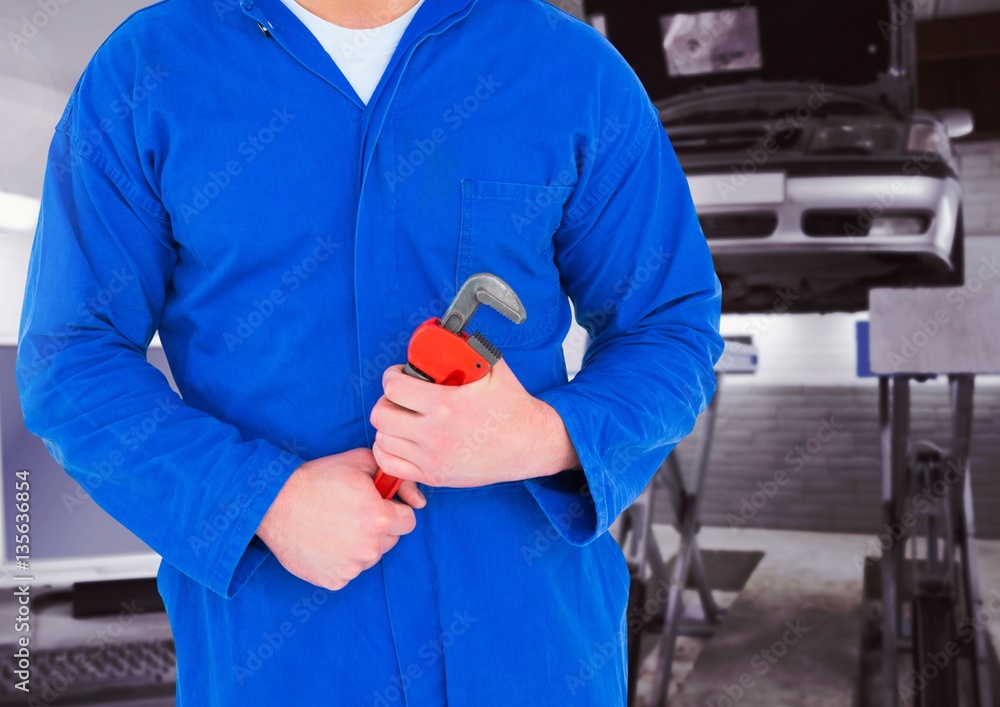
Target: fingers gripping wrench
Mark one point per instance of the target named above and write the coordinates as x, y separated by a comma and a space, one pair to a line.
441, 351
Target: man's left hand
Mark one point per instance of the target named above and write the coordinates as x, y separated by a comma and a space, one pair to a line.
477, 434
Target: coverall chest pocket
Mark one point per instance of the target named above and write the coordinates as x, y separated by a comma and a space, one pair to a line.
507, 229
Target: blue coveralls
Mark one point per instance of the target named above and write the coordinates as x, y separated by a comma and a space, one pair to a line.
215, 178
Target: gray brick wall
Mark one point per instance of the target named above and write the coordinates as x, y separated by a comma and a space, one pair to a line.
764, 429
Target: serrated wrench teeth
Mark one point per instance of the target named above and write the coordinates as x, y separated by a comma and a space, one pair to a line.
482, 346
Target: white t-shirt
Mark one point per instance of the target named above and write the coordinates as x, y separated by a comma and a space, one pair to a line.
361, 54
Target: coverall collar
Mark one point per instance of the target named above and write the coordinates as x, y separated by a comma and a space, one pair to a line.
277, 21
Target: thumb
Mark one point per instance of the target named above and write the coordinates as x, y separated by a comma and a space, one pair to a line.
403, 519
411, 495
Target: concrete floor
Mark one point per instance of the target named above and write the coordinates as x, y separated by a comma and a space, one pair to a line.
792, 636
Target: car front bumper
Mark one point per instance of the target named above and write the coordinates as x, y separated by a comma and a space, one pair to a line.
867, 196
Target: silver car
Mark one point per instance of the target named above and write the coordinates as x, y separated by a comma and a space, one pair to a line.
813, 173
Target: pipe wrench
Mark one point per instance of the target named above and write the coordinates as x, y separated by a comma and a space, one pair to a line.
441, 351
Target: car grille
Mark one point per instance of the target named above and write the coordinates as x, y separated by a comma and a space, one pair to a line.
759, 224
737, 140
721, 141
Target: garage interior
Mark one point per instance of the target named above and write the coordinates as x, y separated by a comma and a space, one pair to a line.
779, 510
808, 551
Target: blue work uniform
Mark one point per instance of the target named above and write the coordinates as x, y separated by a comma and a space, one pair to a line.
215, 178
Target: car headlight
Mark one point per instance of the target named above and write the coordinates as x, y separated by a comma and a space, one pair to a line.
856, 139
928, 138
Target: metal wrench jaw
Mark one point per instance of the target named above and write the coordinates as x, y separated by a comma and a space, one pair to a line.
482, 288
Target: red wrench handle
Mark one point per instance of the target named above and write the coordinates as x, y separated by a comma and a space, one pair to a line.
386, 485
445, 358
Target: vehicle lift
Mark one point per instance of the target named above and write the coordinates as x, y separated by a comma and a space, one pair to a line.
634, 533
929, 578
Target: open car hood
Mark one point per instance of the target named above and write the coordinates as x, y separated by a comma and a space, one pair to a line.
680, 47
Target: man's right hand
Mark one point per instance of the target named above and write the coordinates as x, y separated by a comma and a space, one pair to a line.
328, 523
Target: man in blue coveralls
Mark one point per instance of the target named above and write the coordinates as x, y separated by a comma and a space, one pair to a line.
284, 190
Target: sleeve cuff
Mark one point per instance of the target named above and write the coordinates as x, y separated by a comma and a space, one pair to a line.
244, 551
574, 500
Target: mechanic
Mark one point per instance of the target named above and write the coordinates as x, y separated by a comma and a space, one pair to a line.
282, 190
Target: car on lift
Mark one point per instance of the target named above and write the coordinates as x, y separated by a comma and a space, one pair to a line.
814, 175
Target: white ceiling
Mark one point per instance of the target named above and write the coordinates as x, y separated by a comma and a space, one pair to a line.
63, 44
42, 55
